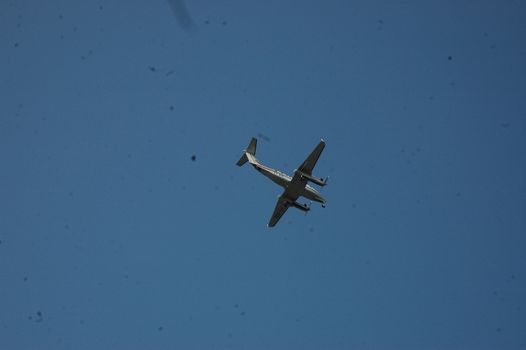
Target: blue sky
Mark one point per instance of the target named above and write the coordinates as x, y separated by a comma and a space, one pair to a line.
111, 236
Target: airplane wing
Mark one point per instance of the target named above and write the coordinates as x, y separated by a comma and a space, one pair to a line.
281, 208
309, 163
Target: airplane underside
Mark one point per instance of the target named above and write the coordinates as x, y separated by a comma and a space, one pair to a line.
301, 190
295, 186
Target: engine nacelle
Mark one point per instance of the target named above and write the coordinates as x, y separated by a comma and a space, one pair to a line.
302, 207
314, 179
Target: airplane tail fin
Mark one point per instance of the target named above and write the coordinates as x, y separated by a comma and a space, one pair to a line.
250, 150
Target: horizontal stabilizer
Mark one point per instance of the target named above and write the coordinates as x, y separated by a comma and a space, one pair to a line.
249, 153
242, 160
251, 149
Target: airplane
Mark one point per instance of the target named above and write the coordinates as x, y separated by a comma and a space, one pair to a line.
295, 186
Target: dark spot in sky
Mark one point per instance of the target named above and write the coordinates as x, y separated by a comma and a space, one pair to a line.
39, 317
242, 313
264, 137
60, 17
499, 329
172, 108
15, 45
170, 72
236, 305
129, 155
193, 158
160, 329
83, 57
25, 278
224, 23
181, 13
449, 58
504, 125
457, 194
152, 69
66, 227
431, 98
0, 242
207, 21
512, 277
101, 8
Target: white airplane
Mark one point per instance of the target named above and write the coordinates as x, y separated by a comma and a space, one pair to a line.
294, 186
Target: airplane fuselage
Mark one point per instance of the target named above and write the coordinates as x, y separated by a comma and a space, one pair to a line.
300, 189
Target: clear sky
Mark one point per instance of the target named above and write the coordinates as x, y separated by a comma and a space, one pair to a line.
112, 237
